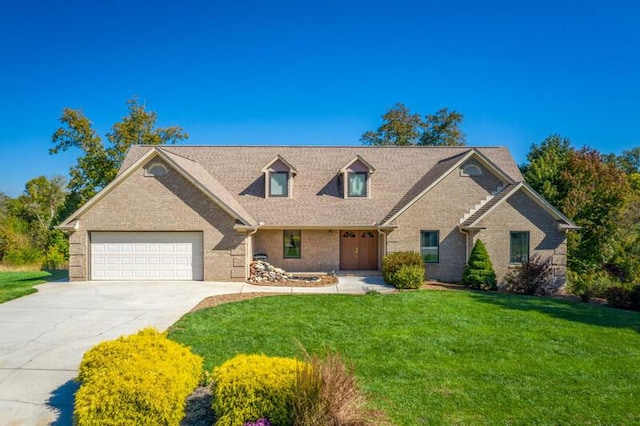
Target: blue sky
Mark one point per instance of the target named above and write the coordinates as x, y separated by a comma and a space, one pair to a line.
317, 72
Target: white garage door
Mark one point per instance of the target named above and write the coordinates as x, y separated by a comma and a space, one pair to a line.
146, 256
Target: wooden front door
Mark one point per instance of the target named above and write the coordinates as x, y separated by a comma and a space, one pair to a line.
358, 250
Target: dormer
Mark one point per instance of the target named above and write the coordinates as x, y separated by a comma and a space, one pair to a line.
356, 178
278, 178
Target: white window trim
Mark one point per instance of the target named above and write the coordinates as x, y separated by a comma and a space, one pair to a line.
466, 170
268, 184
148, 173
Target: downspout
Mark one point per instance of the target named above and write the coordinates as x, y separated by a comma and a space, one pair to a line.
384, 247
466, 244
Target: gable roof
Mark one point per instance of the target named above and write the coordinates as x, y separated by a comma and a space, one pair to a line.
403, 174
437, 174
189, 169
283, 161
360, 160
473, 221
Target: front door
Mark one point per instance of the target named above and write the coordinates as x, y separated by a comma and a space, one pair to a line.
358, 250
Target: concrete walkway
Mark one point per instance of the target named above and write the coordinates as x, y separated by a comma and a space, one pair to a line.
44, 336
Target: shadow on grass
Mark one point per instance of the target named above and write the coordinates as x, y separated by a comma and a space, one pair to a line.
564, 309
61, 401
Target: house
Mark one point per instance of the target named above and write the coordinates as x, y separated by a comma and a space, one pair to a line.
203, 212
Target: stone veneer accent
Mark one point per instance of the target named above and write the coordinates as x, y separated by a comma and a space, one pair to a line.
166, 203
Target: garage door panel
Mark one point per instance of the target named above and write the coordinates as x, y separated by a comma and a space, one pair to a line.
146, 255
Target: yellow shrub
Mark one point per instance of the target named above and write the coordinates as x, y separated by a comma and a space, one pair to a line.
250, 387
142, 379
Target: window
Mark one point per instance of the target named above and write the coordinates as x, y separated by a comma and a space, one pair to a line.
156, 170
430, 246
519, 250
278, 184
357, 184
291, 244
471, 170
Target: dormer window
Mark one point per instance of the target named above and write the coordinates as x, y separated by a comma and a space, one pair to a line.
357, 186
278, 184
356, 176
278, 174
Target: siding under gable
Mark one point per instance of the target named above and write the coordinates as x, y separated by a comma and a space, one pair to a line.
441, 210
166, 203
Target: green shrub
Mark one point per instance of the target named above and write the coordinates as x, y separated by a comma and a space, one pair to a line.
588, 285
392, 263
624, 297
142, 379
408, 277
533, 277
250, 387
25, 255
479, 273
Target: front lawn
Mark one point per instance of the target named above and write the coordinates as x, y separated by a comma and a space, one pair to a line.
18, 284
448, 357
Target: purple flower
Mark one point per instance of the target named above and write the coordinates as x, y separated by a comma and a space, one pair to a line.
260, 422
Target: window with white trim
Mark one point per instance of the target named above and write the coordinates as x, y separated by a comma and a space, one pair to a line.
278, 184
357, 184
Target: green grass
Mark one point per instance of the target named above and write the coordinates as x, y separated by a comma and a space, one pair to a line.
18, 284
448, 357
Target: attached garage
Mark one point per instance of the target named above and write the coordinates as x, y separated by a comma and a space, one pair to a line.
146, 256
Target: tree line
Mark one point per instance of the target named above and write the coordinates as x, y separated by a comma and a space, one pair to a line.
27, 222
599, 192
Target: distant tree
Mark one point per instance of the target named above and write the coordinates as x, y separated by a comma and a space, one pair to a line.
546, 163
629, 160
400, 127
479, 272
40, 204
443, 129
4, 201
99, 164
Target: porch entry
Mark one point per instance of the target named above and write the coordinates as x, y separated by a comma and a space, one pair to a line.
358, 250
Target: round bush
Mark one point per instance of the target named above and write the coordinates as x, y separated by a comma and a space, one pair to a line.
251, 387
392, 263
143, 379
408, 277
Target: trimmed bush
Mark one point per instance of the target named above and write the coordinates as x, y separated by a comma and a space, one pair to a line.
479, 273
142, 379
393, 262
408, 277
533, 278
252, 387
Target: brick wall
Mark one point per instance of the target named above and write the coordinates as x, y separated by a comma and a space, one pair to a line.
444, 206
441, 210
320, 251
166, 203
521, 213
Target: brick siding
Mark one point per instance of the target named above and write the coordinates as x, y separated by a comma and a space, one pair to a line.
166, 203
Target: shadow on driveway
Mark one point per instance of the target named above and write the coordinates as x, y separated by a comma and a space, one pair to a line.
61, 401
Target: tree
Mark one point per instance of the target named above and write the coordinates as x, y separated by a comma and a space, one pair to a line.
594, 200
544, 170
400, 127
442, 129
479, 271
99, 164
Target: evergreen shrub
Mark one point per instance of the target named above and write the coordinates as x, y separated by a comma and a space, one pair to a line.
247, 388
479, 273
142, 379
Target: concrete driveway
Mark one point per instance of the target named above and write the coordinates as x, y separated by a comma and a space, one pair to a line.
44, 336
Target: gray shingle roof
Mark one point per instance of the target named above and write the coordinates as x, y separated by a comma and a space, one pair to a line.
401, 173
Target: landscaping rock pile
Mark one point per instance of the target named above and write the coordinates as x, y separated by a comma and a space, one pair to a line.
261, 271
